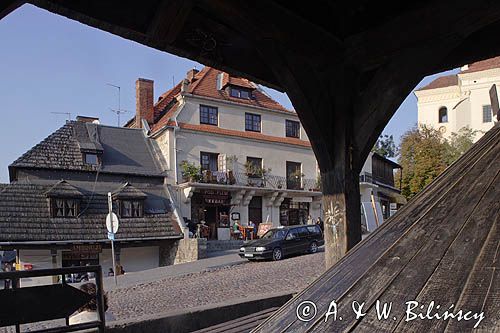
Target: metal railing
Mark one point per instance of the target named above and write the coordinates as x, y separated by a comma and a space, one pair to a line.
265, 181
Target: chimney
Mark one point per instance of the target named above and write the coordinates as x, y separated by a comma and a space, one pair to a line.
86, 119
190, 74
143, 102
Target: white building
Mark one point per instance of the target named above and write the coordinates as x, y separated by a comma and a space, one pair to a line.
233, 130
255, 158
452, 102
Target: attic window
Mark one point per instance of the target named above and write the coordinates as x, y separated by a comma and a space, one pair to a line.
64, 207
91, 159
240, 93
131, 208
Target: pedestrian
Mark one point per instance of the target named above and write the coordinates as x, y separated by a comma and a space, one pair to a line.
111, 272
88, 312
236, 230
252, 231
309, 220
7, 268
319, 222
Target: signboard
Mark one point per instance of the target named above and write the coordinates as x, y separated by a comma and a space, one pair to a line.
216, 197
111, 236
263, 228
302, 199
86, 248
235, 216
112, 223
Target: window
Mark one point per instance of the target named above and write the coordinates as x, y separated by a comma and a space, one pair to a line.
91, 159
443, 115
208, 115
292, 234
303, 232
292, 129
240, 93
131, 208
254, 168
252, 122
314, 229
293, 175
487, 115
64, 207
209, 161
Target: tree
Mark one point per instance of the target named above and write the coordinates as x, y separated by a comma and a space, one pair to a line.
385, 146
424, 154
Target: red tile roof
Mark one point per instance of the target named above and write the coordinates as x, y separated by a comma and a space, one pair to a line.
483, 65
441, 82
247, 135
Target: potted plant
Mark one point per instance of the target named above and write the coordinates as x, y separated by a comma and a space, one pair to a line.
317, 188
190, 172
296, 178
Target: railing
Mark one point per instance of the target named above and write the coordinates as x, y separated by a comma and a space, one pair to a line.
266, 181
365, 177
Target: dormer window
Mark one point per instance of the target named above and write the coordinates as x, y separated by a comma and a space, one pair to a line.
240, 93
130, 201
64, 207
91, 159
131, 208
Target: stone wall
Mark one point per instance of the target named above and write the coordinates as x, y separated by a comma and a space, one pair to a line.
182, 251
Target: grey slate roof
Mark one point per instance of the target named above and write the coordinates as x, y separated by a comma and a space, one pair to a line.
124, 150
25, 217
63, 189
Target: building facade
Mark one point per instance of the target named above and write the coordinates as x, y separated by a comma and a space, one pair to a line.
452, 102
232, 152
53, 212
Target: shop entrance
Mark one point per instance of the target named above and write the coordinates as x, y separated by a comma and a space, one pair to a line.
81, 255
210, 208
293, 213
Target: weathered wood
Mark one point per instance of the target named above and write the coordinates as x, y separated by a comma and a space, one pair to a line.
339, 280
8, 6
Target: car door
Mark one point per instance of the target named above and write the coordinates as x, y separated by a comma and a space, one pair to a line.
292, 242
305, 239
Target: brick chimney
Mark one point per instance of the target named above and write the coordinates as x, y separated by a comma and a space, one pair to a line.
191, 74
143, 101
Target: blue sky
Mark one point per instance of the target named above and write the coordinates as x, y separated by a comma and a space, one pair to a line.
49, 63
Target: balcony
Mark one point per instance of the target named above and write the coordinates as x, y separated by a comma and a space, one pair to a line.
269, 181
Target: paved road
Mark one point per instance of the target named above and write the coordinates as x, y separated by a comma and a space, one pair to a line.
214, 285
215, 260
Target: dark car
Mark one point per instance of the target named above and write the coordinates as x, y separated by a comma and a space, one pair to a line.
283, 241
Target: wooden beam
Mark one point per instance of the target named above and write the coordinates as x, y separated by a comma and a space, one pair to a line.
8, 6
169, 20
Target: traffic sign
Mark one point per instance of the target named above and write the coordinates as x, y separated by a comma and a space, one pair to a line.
111, 236
112, 223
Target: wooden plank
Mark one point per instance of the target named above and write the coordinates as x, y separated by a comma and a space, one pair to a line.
415, 255
358, 261
482, 290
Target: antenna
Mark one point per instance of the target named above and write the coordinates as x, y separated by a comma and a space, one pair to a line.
118, 111
64, 113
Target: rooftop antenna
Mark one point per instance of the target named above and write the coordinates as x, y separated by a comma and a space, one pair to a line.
118, 111
64, 113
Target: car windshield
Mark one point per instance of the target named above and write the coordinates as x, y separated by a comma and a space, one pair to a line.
274, 234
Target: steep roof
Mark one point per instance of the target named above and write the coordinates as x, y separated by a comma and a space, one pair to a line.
441, 82
121, 150
442, 247
205, 84
25, 214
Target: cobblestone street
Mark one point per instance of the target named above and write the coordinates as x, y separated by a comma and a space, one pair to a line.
214, 286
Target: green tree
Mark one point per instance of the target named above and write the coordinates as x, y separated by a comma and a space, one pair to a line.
385, 146
424, 154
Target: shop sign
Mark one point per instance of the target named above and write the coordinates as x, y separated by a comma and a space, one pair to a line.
219, 197
86, 248
302, 199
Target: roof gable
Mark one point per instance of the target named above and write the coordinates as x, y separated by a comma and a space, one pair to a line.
63, 189
128, 191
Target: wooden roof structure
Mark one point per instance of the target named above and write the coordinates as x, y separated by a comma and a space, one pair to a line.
443, 246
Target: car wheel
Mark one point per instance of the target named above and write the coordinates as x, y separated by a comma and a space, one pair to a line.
277, 254
313, 247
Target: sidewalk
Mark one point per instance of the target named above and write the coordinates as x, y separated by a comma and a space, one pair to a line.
214, 260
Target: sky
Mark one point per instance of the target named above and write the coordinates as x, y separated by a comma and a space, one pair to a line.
51, 66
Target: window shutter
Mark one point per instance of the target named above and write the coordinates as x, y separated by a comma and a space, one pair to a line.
222, 162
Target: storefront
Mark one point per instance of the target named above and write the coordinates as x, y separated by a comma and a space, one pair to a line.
81, 255
293, 212
212, 208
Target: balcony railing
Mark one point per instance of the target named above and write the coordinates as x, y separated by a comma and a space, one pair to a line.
267, 181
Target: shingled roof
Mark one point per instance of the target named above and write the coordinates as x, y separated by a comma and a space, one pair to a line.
25, 215
442, 82
121, 150
443, 246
